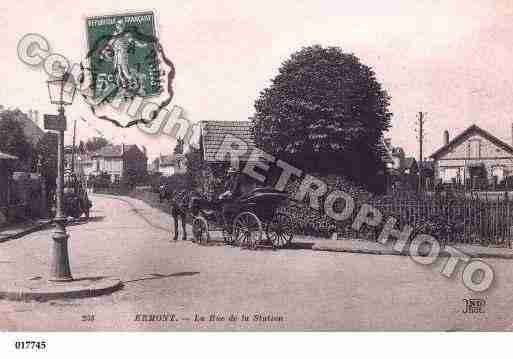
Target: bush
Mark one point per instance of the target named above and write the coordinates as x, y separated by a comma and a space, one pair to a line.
177, 181
309, 221
100, 181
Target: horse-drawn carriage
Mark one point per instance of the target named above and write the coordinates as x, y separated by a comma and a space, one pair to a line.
251, 220
75, 200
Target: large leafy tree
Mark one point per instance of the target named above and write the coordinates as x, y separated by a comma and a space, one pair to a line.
12, 138
325, 112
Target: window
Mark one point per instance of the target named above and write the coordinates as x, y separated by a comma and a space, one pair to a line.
450, 174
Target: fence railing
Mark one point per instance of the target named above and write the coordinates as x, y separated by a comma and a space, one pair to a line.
468, 218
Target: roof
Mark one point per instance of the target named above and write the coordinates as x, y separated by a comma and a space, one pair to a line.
167, 160
465, 134
111, 151
6, 156
213, 134
409, 162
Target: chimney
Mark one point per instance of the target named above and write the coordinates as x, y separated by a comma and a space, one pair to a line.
144, 151
446, 137
122, 148
36, 117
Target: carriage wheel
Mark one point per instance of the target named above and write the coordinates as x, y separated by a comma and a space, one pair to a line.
280, 230
247, 230
200, 230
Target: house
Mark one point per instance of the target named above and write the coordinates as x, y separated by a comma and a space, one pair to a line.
428, 169
473, 156
394, 159
409, 166
5, 183
397, 162
84, 166
168, 165
385, 146
212, 137
118, 161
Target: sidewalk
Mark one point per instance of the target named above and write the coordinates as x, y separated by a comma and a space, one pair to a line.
367, 247
18, 230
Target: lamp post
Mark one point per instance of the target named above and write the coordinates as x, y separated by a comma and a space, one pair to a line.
61, 93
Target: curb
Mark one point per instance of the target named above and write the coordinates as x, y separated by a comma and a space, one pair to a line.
386, 251
29, 290
24, 232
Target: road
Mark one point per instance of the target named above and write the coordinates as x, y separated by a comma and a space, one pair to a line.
181, 281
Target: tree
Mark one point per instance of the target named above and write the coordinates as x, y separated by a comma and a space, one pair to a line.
46, 150
12, 138
195, 166
95, 143
81, 147
324, 112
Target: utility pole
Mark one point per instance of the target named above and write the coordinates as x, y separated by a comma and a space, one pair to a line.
421, 121
73, 147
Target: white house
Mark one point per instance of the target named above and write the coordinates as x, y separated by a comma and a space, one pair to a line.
473, 154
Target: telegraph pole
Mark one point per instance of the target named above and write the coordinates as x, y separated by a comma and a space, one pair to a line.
73, 147
421, 121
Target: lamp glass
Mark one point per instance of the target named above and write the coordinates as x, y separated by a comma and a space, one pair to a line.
62, 90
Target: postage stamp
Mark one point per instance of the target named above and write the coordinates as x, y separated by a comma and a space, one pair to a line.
122, 54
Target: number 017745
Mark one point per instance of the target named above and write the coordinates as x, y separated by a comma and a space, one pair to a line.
30, 344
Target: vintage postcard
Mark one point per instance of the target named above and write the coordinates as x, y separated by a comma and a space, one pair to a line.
256, 166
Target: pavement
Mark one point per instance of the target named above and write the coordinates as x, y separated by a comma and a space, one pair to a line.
18, 230
178, 285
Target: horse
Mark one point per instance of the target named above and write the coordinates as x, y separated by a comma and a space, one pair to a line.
179, 200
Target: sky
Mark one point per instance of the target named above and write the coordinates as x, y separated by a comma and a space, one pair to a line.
449, 59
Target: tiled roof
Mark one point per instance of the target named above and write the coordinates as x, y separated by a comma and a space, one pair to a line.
6, 156
214, 132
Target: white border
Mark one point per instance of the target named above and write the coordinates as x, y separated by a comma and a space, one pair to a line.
281, 345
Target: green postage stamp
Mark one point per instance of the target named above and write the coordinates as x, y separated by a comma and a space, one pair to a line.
123, 56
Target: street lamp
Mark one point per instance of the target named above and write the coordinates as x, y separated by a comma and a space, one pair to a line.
62, 92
